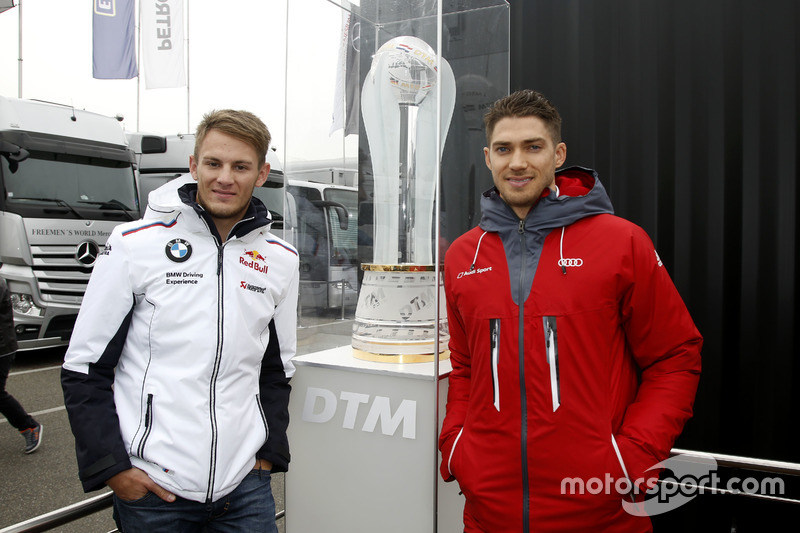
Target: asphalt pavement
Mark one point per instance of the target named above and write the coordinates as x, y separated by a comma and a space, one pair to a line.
34, 484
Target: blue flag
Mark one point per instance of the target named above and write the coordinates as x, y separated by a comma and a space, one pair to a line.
113, 39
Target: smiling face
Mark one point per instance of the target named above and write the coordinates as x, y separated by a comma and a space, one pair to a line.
226, 170
523, 159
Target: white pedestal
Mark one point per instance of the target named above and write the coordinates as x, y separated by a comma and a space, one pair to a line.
363, 439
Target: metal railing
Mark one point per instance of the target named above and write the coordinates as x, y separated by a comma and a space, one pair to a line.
737, 463
62, 516
73, 512
92, 505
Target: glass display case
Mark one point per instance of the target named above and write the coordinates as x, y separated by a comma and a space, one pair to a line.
383, 161
384, 168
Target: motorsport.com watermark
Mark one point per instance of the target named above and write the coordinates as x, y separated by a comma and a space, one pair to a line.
692, 475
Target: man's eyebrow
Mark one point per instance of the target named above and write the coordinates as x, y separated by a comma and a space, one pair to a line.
502, 142
217, 159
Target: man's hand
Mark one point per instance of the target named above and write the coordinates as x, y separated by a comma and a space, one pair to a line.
133, 484
262, 464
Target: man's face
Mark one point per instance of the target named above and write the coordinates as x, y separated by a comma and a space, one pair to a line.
226, 170
523, 161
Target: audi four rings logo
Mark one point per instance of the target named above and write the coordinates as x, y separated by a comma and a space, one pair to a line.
86, 253
570, 262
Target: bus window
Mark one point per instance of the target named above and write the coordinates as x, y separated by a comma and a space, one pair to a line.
326, 236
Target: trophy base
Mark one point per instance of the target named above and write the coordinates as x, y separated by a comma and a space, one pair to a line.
399, 358
396, 315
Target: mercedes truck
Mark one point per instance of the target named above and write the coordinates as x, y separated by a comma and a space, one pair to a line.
67, 179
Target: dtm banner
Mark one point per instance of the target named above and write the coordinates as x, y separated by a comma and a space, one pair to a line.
113, 40
162, 43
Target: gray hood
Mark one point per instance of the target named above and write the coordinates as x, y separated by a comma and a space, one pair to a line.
580, 195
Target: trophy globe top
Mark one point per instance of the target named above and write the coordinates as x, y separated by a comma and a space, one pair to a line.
411, 65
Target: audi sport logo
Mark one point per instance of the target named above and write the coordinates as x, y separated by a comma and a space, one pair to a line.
570, 262
86, 253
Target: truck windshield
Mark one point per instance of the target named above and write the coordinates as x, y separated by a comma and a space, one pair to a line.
71, 184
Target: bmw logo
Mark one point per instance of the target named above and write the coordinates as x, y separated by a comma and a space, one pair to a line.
178, 250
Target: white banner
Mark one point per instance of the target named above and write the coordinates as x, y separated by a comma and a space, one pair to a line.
162, 44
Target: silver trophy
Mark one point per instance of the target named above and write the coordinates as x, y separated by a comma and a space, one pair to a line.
396, 313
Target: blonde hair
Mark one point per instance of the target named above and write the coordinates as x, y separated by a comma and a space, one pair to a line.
242, 125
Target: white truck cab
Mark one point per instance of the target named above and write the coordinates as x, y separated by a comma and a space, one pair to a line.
66, 177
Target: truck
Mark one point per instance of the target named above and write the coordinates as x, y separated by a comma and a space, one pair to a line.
320, 219
67, 180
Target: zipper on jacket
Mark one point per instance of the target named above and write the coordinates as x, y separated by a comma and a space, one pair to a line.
212, 390
551, 343
522, 394
148, 426
494, 339
263, 415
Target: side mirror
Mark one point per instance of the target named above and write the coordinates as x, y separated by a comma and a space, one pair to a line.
14, 154
341, 211
154, 144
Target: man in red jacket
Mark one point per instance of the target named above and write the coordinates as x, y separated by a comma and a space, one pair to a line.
575, 361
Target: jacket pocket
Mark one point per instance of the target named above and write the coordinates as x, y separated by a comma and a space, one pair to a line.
263, 417
452, 453
494, 350
148, 427
622, 467
551, 344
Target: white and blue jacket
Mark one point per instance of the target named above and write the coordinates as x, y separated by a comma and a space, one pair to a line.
180, 360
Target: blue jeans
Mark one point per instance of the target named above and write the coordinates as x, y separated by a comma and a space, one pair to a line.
249, 508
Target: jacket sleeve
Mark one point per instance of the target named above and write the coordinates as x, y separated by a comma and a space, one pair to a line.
276, 371
459, 383
666, 346
87, 375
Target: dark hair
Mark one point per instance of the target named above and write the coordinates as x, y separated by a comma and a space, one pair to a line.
524, 103
242, 125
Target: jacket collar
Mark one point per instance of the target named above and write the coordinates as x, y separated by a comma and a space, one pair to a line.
256, 217
580, 195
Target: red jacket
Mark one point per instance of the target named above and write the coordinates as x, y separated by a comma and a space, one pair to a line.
550, 324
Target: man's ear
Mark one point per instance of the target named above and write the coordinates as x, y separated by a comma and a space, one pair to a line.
561, 154
263, 174
193, 167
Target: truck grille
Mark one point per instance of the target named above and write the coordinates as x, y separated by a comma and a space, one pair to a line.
61, 278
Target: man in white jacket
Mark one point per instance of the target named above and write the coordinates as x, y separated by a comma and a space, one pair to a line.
176, 380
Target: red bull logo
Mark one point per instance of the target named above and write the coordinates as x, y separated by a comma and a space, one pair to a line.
255, 255
255, 264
